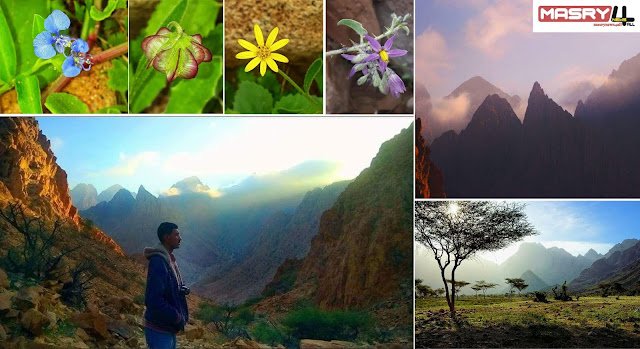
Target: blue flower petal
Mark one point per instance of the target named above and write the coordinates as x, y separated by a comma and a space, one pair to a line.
69, 68
42, 46
79, 45
56, 22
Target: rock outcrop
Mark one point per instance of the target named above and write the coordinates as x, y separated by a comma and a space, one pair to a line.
29, 172
429, 178
363, 253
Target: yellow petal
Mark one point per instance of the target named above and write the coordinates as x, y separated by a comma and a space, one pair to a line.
263, 68
246, 55
278, 57
259, 37
279, 44
247, 45
252, 64
272, 37
272, 64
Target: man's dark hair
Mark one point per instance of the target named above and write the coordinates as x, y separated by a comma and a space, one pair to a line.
165, 228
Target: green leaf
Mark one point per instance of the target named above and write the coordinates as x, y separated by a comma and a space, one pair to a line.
252, 98
98, 15
296, 104
314, 69
147, 82
118, 76
38, 26
19, 17
355, 25
114, 109
28, 90
191, 96
202, 17
7, 51
64, 103
270, 82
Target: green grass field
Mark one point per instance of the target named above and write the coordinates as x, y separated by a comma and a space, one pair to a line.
499, 321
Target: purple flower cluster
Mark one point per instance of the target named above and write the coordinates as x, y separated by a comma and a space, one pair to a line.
372, 60
50, 42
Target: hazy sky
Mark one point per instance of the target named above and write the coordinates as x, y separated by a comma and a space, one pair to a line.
458, 39
577, 226
158, 152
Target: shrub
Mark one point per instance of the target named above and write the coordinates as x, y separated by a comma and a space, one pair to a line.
227, 319
313, 323
264, 332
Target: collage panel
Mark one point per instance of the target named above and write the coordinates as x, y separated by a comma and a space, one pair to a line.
519, 274
176, 57
369, 57
274, 57
507, 112
63, 57
306, 242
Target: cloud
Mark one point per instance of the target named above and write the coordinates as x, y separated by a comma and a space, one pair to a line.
56, 144
433, 59
574, 84
200, 189
498, 20
452, 109
129, 165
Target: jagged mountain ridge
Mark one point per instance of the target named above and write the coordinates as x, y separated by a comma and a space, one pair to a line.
620, 266
429, 178
557, 155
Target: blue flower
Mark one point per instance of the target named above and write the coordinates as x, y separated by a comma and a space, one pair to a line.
78, 60
53, 24
396, 85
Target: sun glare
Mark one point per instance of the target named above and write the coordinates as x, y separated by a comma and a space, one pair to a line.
453, 209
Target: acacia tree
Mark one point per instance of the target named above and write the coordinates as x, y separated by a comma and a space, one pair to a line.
459, 284
517, 283
457, 231
476, 288
484, 286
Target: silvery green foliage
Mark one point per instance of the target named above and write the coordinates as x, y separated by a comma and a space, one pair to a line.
371, 59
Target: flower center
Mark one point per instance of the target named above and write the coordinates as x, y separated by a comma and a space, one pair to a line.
384, 56
263, 52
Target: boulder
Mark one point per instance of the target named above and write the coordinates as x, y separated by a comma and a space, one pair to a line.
28, 297
34, 321
195, 333
6, 300
122, 305
245, 344
51, 316
82, 334
120, 327
94, 323
13, 313
4, 279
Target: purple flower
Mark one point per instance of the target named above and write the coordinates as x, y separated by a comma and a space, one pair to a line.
396, 85
53, 24
78, 60
383, 53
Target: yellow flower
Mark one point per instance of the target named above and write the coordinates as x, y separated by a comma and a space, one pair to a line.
263, 53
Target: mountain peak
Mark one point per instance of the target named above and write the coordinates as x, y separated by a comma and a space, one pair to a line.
143, 193
536, 90
123, 195
494, 112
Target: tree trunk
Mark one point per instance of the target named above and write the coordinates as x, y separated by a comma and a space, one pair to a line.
450, 302
452, 307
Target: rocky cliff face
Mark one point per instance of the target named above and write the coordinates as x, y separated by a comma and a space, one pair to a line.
621, 266
29, 172
363, 253
284, 235
429, 178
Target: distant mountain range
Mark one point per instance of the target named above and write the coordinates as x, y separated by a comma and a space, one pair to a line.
550, 153
621, 264
539, 266
84, 196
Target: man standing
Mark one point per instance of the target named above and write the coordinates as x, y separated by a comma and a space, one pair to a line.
165, 297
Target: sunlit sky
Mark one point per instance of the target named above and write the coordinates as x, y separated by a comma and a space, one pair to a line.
458, 39
576, 226
158, 152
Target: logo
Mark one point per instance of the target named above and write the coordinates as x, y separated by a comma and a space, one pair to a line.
585, 16
624, 19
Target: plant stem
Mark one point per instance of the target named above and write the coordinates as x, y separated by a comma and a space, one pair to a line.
300, 90
387, 34
111, 53
62, 81
5, 88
